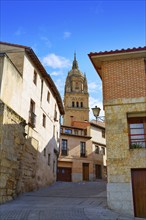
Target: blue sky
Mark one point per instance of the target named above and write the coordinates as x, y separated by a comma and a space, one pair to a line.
56, 29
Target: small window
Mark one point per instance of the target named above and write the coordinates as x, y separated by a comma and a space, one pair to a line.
35, 77
64, 147
102, 150
103, 133
44, 151
85, 132
68, 131
49, 159
81, 104
82, 149
137, 132
42, 89
53, 130
77, 85
73, 104
97, 150
55, 113
44, 120
32, 116
48, 96
77, 104
76, 132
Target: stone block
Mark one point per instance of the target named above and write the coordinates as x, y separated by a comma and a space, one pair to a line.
10, 184
2, 192
3, 180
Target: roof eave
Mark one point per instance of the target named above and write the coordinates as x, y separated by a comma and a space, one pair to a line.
98, 58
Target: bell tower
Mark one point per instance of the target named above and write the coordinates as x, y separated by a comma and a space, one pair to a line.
76, 97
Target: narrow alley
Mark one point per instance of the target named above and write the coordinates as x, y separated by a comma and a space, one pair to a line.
62, 201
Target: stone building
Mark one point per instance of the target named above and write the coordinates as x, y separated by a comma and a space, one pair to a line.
82, 147
30, 110
76, 97
123, 75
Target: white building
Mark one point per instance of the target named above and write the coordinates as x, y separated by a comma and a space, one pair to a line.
27, 89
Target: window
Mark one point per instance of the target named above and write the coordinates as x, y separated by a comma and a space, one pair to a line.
55, 114
81, 104
32, 116
77, 104
103, 133
42, 89
77, 85
102, 150
49, 159
68, 131
48, 96
97, 150
85, 132
73, 104
64, 147
137, 132
44, 121
44, 151
76, 132
82, 149
35, 77
53, 130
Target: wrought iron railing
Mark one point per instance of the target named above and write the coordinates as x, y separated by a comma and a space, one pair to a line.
64, 153
32, 119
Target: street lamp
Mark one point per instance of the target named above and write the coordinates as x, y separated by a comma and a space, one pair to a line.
96, 112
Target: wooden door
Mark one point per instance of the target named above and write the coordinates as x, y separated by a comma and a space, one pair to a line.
85, 171
139, 192
64, 174
98, 171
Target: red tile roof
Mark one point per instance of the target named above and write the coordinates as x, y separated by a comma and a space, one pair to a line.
134, 49
80, 124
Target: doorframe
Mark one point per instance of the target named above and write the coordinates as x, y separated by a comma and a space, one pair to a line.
84, 165
132, 182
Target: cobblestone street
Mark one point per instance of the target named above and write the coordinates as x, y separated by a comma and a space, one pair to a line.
62, 201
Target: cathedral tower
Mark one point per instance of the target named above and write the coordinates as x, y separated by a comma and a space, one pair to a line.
76, 97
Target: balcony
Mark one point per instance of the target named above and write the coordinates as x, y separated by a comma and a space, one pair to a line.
64, 153
32, 119
83, 155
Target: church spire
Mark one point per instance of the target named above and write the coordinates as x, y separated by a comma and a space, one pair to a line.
75, 63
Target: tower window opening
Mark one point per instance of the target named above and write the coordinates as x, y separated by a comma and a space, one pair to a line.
81, 104
73, 104
77, 104
77, 85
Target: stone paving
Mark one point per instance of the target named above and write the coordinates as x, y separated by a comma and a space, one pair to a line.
63, 201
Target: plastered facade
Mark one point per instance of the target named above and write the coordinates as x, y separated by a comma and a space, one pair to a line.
91, 134
40, 130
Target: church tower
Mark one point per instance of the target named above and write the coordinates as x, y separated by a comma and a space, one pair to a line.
76, 97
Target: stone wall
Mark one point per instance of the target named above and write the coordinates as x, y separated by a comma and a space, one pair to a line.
120, 158
19, 160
